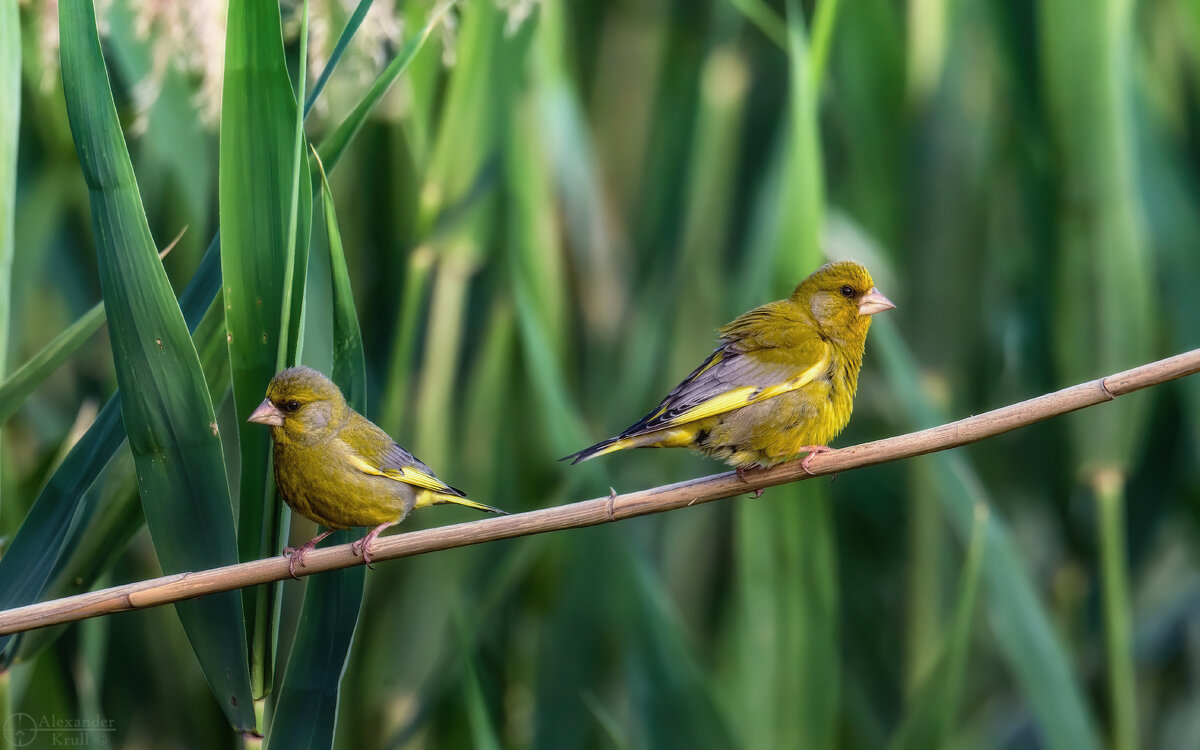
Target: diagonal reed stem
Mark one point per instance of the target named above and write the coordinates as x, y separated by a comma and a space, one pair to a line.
174, 588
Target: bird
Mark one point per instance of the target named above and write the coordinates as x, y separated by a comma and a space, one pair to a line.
781, 381
337, 468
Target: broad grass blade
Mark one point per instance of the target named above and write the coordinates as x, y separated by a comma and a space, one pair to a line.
306, 709
83, 551
335, 144
258, 163
38, 545
104, 516
10, 122
167, 411
17, 387
35, 550
299, 219
339, 49
10, 127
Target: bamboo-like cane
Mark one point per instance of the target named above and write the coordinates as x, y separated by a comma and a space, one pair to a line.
174, 588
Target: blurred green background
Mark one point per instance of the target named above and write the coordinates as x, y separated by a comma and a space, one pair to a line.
544, 221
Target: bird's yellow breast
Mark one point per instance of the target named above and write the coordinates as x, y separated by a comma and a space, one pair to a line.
781, 427
330, 492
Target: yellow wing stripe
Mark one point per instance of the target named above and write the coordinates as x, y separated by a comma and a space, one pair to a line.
746, 395
417, 478
407, 475
712, 362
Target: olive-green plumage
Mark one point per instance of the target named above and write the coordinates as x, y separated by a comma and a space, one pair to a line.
335, 467
781, 382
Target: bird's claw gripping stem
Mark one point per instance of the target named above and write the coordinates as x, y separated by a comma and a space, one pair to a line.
296, 555
741, 472
362, 546
812, 450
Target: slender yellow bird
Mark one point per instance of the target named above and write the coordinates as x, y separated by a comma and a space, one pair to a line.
781, 382
335, 467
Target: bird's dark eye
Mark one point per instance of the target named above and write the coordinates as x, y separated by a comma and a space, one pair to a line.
847, 291
291, 406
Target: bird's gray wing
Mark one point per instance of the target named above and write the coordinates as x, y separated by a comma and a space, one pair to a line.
730, 379
390, 460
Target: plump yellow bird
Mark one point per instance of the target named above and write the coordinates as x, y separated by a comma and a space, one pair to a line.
335, 467
780, 383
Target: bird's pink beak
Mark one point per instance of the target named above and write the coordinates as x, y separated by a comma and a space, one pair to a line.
267, 413
872, 302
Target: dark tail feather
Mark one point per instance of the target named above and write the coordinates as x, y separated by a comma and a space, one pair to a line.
599, 449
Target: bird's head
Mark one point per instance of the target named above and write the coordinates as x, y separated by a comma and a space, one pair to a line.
301, 405
841, 298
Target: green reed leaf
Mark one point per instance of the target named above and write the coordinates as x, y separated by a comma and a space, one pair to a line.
306, 709
167, 411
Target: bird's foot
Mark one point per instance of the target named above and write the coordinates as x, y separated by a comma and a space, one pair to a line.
812, 450
362, 546
741, 472
296, 555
